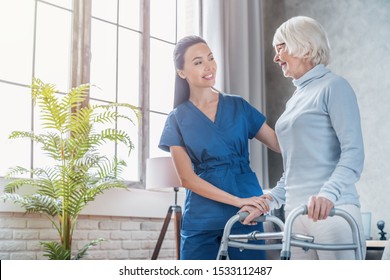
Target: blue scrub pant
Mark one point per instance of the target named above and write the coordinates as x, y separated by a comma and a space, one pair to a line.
204, 244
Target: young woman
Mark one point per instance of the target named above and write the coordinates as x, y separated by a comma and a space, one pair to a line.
207, 134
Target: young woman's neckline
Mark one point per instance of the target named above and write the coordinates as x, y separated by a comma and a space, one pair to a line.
199, 107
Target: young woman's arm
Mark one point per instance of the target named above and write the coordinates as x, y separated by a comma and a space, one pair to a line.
190, 180
267, 136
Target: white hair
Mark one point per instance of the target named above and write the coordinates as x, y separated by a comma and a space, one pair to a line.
304, 38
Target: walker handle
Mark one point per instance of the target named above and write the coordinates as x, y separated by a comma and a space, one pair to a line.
243, 215
305, 211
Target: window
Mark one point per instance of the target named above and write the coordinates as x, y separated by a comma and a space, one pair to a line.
37, 42
180, 18
115, 64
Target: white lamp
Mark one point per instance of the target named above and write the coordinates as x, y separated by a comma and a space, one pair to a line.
161, 176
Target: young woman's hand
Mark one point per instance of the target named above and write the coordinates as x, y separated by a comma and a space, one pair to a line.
255, 201
254, 212
261, 207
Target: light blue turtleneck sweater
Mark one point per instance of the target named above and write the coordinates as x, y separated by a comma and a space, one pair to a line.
321, 142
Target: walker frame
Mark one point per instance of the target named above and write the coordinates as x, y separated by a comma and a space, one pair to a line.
287, 237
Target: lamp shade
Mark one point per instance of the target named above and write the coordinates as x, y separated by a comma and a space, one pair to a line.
161, 174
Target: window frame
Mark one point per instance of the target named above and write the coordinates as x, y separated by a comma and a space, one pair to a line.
80, 67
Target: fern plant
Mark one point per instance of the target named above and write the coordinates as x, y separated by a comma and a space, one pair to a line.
80, 172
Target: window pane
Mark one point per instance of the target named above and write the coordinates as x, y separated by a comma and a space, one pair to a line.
115, 72
16, 152
162, 76
157, 122
103, 61
128, 67
52, 62
110, 149
16, 41
130, 172
163, 19
62, 3
40, 159
187, 18
129, 13
105, 9
107, 149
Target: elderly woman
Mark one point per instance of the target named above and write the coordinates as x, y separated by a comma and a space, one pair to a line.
320, 139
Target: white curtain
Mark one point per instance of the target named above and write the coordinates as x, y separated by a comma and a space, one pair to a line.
233, 29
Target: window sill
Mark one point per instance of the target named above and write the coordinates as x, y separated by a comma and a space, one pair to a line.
131, 202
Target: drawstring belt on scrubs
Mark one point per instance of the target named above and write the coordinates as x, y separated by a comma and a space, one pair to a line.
240, 165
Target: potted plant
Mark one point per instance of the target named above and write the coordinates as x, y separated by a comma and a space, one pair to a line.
80, 172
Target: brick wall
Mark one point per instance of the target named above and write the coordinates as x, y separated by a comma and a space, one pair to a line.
126, 238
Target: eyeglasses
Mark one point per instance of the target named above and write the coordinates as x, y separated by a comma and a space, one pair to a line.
279, 48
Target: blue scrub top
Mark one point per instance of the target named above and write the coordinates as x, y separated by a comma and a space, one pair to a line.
219, 154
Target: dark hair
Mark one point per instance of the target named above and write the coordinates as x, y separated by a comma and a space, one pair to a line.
182, 89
